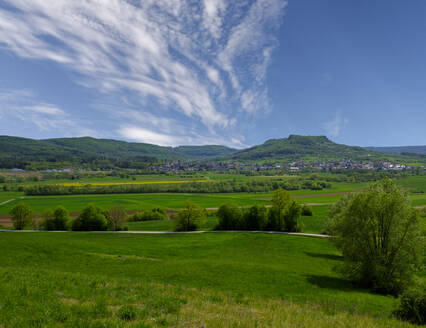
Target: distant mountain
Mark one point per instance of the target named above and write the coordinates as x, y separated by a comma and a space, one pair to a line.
20, 152
401, 149
106, 153
297, 147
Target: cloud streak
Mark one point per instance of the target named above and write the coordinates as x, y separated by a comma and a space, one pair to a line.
335, 126
204, 61
21, 107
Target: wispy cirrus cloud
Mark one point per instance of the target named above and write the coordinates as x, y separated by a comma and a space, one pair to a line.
23, 108
198, 61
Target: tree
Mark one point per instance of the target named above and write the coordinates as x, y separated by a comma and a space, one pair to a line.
46, 222
61, 218
22, 216
255, 218
190, 217
280, 203
92, 218
117, 218
379, 235
291, 217
230, 217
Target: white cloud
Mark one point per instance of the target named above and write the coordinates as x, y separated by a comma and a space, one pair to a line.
164, 139
23, 107
147, 136
335, 126
193, 58
47, 109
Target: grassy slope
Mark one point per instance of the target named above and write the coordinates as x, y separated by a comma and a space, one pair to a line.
196, 280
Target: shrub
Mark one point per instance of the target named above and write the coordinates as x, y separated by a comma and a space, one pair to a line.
127, 313
151, 215
22, 216
190, 217
306, 211
55, 221
230, 217
412, 306
92, 218
379, 234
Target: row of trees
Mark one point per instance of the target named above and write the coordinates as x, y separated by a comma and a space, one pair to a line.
92, 218
193, 187
282, 216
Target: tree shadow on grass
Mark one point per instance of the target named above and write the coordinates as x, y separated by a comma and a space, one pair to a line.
325, 256
335, 283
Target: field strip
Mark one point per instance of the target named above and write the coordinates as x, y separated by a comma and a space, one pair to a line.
131, 183
182, 232
8, 201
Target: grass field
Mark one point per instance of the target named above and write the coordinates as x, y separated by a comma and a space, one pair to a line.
206, 280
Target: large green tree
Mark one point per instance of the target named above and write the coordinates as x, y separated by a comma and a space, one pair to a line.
22, 216
379, 235
190, 217
280, 203
117, 218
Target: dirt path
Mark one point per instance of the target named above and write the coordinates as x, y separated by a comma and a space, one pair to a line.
8, 201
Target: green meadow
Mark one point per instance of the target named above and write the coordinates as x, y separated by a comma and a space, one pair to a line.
190, 280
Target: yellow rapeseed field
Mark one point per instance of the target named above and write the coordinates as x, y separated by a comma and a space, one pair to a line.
131, 183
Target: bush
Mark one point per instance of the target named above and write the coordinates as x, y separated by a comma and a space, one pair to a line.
412, 306
190, 217
306, 211
22, 216
379, 234
151, 215
92, 218
55, 221
127, 313
230, 217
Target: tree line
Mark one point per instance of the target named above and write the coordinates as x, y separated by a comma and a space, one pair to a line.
91, 218
192, 187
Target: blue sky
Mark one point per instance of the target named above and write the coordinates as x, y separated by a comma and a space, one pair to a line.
174, 72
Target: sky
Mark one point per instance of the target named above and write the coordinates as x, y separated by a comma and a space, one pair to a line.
229, 72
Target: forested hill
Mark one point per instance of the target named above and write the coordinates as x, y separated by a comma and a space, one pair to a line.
105, 153
297, 147
87, 151
400, 150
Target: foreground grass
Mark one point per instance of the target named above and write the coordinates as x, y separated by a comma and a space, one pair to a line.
211, 280
54, 299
